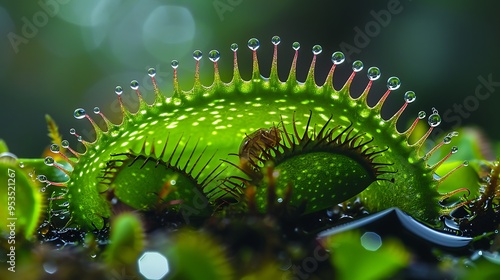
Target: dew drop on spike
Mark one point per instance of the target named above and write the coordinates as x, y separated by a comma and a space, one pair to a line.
118, 90
276, 40
214, 55
466, 163
49, 161
152, 72
72, 131
410, 96
79, 113
447, 140
54, 148
373, 73
97, 110
65, 144
338, 58
296, 46
234, 47
434, 119
317, 49
421, 115
454, 149
41, 178
174, 64
253, 44
134, 84
357, 66
197, 55
393, 83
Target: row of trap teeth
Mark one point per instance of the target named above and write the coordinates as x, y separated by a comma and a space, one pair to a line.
337, 58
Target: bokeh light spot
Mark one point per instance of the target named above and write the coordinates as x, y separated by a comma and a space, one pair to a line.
153, 265
371, 241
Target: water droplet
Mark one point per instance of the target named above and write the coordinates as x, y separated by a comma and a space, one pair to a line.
393, 83
434, 119
41, 178
373, 73
338, 57
174, 64
65, 144
214, 55
447, 140
296, 46
134, 84
410, 96
276, 40
79, 113
357, 66
79, 138
21, 164
152, 72
253, 44
54, 148
466, 163
118, 90
234, 47
317, 49
50, 267
421, 114
72, 131
454, 149
49, 161
43, 189
197, 55
453, 134
97, 110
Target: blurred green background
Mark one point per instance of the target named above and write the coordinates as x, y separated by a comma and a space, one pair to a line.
61, 55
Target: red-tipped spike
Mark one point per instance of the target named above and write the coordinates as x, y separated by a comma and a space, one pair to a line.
465, 163
134, 85
175, 64
454, 149
119, 92
253, 45
43, 179
107, 122
49, 161
292, 76
356, 67
236, 71
421, 115
65, 145
373, 74
54, 148
446, 140
197, 55
337, 58
273, 76
316, 50
433, 120
214, 56
393, 83
152, 74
